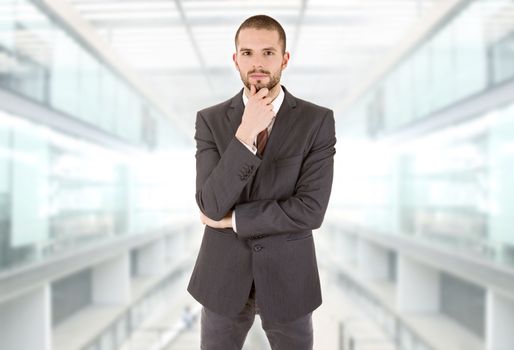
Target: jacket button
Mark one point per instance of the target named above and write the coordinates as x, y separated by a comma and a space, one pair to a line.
257, 247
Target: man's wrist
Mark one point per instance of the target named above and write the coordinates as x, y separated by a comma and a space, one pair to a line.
244, 136
227, 221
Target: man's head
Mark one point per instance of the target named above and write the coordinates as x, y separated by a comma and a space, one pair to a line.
260, 52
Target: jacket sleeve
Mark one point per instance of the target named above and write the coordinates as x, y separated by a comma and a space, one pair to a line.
304, 210
220, 179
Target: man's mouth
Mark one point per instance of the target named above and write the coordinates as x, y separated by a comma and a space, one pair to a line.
258, 76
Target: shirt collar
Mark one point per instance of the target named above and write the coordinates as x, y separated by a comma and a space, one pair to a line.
276, 103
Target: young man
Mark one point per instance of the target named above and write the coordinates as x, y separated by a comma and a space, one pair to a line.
264, 164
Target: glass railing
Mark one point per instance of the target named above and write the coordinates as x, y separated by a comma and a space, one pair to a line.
41, 60
59, 193
469, 54
452, 187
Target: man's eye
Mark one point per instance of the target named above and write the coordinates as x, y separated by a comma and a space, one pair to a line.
269, 53
246, 53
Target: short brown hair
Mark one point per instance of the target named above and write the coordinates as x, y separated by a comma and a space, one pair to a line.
264, 22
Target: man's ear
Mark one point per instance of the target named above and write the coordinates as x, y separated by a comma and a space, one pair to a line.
234, 58
285, 59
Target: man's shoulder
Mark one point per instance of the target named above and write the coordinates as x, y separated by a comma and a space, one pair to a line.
312, 109
216, 109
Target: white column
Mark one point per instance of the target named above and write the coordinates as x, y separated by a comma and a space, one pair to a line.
499, 322
111, 281
151, 259
337, 239
25, 322
372, 261
418, 286
175, 247
348, 248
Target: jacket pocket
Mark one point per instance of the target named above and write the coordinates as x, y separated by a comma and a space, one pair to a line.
299, 236
222, 231
288, 161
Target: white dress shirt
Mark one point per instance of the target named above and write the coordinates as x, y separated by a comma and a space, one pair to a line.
276, 103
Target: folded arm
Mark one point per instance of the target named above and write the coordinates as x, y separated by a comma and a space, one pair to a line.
220, 179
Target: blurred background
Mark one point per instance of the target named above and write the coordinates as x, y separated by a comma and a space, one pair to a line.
99, 229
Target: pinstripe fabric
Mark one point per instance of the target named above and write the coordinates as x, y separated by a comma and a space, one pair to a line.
279, 197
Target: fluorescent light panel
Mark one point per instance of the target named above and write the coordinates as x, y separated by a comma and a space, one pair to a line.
250, 4
126, 6
132, 15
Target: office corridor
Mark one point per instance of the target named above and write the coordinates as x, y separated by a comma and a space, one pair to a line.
104, 131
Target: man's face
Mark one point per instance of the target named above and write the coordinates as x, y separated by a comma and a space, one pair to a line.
259, 58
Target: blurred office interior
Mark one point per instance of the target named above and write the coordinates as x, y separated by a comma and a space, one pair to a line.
99, 229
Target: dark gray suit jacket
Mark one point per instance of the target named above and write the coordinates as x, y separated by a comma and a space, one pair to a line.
278, 201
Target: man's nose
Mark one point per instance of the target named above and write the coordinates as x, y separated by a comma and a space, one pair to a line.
257, 64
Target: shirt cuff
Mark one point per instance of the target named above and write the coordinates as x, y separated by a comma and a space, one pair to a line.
251, 148
234, 221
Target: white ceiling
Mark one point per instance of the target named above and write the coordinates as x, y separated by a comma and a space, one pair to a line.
184, 47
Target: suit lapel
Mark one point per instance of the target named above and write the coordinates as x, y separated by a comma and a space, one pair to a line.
284, 122
235, 112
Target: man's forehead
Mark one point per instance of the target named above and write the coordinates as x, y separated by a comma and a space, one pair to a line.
259, 37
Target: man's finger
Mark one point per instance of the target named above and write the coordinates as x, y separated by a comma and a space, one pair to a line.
267, 100
253, 90
263, 92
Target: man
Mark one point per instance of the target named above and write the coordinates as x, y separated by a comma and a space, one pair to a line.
264, 165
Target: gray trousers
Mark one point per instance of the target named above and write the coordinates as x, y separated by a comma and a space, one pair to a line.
229, 333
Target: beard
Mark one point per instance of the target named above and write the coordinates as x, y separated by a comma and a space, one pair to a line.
274, 79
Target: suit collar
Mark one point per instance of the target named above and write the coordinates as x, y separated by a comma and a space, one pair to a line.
236, 107
276, 103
